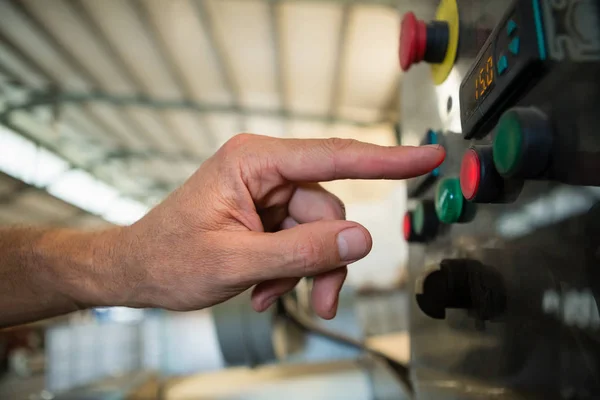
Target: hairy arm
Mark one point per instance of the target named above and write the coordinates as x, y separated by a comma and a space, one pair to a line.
251, 216
49, 272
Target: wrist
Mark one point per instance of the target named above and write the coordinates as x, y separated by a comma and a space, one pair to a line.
91, 275
111, 250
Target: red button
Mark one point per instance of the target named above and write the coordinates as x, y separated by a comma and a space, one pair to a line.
413, 41
407, 226
470, 174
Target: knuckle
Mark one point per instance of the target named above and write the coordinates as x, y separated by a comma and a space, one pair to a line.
310, 254
238, 141
332, 148
338, 144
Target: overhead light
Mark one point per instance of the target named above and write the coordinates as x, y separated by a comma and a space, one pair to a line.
83, 190
18, 155
124, 211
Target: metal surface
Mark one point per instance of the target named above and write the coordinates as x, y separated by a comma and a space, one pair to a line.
544, 246
57, 97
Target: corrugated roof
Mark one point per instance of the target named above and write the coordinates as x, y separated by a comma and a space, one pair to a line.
140, 92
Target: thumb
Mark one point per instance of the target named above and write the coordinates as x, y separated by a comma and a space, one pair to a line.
310, 249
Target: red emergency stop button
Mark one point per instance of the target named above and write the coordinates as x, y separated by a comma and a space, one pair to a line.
413, 41
422, 42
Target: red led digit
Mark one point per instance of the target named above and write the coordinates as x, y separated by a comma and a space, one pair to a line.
406, 226
470, 174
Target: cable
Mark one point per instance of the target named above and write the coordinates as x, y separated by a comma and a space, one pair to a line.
290, 310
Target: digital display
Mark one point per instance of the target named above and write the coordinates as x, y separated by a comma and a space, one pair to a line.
480, 83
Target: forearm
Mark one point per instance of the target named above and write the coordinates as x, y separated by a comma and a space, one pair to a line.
49, 272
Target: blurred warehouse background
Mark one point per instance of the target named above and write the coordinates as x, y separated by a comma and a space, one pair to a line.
108, 105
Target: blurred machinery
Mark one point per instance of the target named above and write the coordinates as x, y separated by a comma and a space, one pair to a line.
115, 354
504, 234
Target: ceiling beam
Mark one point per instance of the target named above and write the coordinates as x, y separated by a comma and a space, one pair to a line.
130, 156
90, 168
49, 98
222, 63
385, 3
338, 71
276, 43
52, 83
55, 148
99, 36
70, 59
153, 32
26, 59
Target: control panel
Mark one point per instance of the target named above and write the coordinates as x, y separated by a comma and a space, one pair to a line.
510, 62
504, 237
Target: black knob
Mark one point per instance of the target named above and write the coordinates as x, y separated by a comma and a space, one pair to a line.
464, 284
438, 36
420, 41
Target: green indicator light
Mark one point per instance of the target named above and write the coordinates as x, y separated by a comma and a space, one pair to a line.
449, 200
508, 144
419, 219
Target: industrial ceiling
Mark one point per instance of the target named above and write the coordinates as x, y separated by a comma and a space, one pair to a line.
133, 95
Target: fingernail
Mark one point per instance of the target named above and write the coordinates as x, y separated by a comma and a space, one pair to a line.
269, 302
352, 244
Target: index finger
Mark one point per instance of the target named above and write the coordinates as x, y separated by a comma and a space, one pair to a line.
318, 160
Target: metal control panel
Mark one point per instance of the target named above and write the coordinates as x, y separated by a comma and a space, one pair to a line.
504, 254
510, 62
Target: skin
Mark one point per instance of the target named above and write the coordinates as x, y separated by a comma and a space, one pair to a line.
253, 215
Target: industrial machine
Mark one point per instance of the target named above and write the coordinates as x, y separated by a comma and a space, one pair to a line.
505, 235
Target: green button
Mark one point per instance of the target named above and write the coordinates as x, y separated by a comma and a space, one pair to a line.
419, 219
508, 144
449, 200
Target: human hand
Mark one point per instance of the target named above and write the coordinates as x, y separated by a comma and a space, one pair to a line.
253, 215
